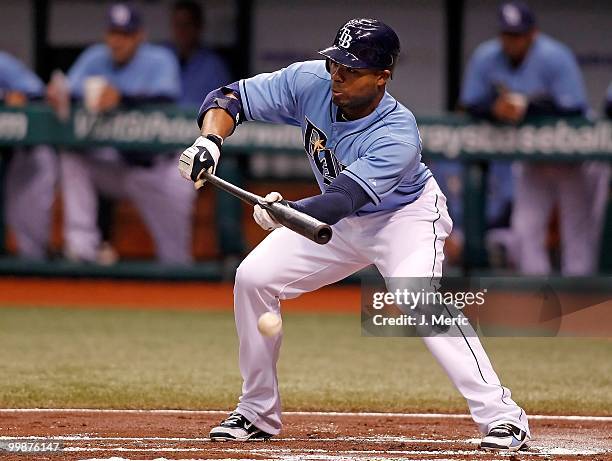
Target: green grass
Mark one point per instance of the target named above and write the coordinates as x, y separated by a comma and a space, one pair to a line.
164, 359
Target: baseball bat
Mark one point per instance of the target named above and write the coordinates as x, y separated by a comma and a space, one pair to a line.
295, 220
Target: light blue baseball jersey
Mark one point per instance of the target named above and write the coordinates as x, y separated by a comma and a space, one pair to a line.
549, 70
152, 72
15, 76
381, 152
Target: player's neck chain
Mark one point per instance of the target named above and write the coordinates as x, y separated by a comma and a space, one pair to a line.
340, 117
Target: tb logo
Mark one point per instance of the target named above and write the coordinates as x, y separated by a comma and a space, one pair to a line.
345, 38
323, 158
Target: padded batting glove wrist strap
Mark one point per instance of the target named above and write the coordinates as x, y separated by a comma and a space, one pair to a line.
203, 155
218, 140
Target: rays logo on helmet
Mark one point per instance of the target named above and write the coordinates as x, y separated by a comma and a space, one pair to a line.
345, 38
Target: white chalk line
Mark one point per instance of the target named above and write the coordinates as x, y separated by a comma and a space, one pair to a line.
283, 452
302, 453
288, 458
296, 413
533, 450
370, 439
348, 454
536, 451
114, 458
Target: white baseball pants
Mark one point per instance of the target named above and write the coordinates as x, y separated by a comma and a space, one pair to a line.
581, 191
164, 200
404, 243
30, 190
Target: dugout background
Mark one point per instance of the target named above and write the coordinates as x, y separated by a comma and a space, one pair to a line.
437, 36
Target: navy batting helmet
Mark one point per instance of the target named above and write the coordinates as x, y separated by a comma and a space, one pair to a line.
364, 43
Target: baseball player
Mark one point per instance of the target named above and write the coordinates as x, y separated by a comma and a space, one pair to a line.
32, 173
383, 203
524, 73
134, 73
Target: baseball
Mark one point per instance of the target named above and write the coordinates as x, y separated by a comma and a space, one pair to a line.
269, 324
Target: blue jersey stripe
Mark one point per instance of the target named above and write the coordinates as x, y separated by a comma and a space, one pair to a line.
246, 96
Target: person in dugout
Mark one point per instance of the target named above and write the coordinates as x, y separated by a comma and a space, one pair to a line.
518, 75
125, 71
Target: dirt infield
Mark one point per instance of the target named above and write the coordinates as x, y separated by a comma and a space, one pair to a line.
138, 435
121, 294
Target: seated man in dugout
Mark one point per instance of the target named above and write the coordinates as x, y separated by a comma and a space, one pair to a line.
124, 71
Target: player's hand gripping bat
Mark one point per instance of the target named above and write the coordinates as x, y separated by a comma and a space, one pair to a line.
295, 220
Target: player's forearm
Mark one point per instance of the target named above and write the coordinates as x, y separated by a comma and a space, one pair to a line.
483, 110
221, 111
218, 122
217, 119
341, 199
548, 106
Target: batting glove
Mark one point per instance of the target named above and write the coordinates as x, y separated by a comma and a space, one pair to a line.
202, 156
261, 215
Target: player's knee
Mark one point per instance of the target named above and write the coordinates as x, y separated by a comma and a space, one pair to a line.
251, 276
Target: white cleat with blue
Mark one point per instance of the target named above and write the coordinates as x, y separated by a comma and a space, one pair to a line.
237, 428
504, 437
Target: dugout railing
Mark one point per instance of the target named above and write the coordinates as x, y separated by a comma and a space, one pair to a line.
163, 128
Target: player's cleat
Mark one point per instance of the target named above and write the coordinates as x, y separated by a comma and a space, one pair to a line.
504, 437
237, 427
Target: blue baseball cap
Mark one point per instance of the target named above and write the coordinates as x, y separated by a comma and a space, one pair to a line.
123, 17
515, 17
